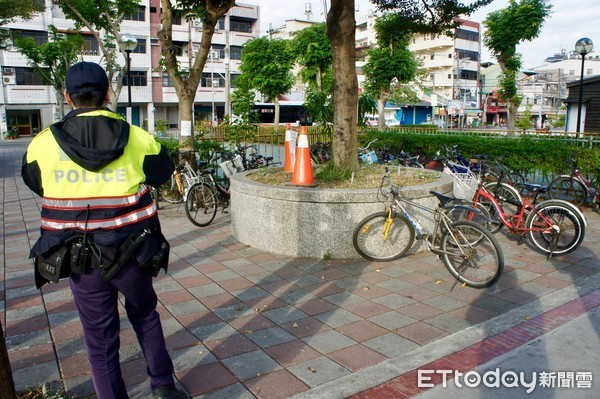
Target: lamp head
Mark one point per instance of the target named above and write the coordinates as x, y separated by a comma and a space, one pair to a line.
584, 46
127, 42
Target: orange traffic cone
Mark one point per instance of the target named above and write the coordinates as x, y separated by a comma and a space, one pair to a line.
289, 148
303, 173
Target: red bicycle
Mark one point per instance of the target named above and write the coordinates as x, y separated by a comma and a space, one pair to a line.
575, 188
553, 227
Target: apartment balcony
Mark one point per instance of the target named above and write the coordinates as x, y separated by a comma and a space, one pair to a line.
26, 94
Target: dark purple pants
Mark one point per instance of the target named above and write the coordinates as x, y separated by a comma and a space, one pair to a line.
96, 301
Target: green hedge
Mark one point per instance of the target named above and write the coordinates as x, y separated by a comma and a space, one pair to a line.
524, 153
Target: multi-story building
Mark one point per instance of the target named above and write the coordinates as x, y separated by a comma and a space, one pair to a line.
27, 103
451, 62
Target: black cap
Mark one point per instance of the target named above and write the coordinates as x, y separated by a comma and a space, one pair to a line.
86, 76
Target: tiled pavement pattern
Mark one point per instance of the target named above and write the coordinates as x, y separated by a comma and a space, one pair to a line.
244, 323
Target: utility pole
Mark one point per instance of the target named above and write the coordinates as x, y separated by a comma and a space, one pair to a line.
227, 112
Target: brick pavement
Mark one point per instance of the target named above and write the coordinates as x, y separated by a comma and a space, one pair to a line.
245, 323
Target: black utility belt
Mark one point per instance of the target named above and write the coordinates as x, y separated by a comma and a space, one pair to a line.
79, 256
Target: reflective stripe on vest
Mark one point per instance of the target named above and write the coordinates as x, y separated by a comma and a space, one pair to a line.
94, 203
111, 223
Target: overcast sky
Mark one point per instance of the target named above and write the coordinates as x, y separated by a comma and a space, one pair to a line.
570, 20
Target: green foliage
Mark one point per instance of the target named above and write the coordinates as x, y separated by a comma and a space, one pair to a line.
524, 121
169, 143
160, 125
319, 105
266, 66
524, 153
330, 174
427, 16
12, 9
367, 105
313, 53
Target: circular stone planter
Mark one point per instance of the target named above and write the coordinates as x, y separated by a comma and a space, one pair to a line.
313, 222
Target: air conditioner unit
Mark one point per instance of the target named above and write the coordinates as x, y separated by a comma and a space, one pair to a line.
61, 35
215, 83
194, 53
8, 71
197, 23
9, 80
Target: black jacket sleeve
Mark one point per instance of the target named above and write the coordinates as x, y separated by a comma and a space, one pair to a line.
32, 176
158, 168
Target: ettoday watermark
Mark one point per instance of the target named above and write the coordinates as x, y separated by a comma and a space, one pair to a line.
510, 379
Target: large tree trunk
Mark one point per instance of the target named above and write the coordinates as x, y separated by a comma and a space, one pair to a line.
186, 121
341, 28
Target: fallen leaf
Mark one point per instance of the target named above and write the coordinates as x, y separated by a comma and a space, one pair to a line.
312, 369
295, 325
365, 288
439, 282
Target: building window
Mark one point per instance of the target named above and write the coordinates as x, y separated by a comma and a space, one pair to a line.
167, 81
468, 75
240, 25
90, 45
178, 47
589, 71
450, 55
467, 35
212, 81
571, 72
466, 54
449, 76
235, 52
141, 47
219, 50
221, 24
39, 37
137, 78
432, 56
27, 76
140, 15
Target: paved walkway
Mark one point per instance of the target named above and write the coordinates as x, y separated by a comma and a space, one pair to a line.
244, 323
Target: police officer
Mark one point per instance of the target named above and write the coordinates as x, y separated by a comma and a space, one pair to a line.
92, 170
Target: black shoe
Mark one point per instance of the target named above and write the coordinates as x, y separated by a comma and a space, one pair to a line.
168, 392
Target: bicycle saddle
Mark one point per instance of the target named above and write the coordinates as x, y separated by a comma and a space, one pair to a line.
535, 188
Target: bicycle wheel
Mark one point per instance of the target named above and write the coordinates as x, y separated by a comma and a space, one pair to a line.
558, 229
169, 190
568, 189
472, 254
201, 204
507, 196
459, 210
371, 243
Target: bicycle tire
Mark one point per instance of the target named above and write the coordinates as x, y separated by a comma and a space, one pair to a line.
459, 210
472, 254
568, 189
503, 193
568, 237
201, 204
169, 191
369, 242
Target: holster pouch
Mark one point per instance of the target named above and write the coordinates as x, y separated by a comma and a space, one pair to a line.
54, 265
81, 256
159, 260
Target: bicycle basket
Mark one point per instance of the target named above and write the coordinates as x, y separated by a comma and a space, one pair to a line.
228, 168
369, 158
465, 184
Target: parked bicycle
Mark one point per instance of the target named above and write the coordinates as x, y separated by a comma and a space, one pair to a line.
553, 227
575, 187
174, 190
210, 193
470, 252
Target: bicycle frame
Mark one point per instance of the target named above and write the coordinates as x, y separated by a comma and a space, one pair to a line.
439, 219
591, 190
514, 222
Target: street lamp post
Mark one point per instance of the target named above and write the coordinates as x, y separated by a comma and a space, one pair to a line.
583, 46
128, 43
